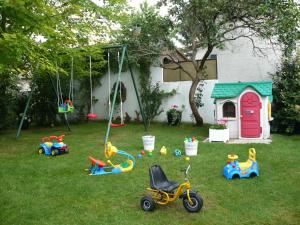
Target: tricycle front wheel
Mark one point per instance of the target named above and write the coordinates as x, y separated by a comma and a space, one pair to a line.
196, 204
147, 203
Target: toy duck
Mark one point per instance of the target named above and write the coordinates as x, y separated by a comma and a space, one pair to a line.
163, 150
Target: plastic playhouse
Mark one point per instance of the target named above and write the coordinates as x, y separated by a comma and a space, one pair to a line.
236, 169
53, 146
99, 167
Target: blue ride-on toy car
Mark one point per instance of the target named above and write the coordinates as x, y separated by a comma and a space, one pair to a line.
236, 169
53, 146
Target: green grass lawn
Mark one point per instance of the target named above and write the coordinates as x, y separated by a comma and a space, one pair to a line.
57, 190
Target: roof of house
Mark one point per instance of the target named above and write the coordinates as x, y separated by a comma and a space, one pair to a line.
231, 90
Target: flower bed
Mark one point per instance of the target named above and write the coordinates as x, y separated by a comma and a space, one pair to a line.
174, 115
219, 132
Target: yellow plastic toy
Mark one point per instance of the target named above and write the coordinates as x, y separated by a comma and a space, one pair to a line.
235, 169
163, 150
98, 167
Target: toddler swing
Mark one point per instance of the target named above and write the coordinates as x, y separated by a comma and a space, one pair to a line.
114, 125
67, 105
91, 115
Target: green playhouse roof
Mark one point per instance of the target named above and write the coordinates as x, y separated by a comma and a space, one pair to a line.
231, 90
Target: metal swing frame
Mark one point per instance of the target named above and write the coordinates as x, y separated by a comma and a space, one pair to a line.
124, 56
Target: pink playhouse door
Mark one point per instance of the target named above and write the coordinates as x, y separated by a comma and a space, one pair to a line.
250, 115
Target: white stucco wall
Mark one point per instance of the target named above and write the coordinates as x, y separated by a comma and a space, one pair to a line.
182, 97
236, 62
101, 93
131, 104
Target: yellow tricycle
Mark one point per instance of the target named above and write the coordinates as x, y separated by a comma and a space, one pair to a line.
162, 191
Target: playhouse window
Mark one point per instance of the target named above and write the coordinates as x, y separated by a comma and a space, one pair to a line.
228, 109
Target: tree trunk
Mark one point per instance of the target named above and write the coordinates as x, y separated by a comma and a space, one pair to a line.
198, 118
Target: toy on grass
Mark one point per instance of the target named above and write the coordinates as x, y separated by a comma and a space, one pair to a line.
177, 152
143, 152
163, 150
162, 191
236, 169
139, 156
99, 167
150, 154
53, 146
187, 158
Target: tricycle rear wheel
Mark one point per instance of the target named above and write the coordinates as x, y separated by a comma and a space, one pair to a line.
197, 202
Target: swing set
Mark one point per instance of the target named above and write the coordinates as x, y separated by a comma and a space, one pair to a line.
98, 167
63, 106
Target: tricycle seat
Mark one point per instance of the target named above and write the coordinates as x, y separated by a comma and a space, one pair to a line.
159, 181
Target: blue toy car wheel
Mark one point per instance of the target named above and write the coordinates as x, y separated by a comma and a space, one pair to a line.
41, 150
235, 176
253, 174
54, 151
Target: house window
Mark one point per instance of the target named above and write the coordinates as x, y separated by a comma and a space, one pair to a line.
171, 72
229, 109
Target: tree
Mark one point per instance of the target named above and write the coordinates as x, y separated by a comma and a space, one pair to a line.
42, 32
146, 34
38, 30
206, 24
286, 92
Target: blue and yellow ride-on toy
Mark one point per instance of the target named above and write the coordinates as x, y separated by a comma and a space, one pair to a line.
235, 169
53, 146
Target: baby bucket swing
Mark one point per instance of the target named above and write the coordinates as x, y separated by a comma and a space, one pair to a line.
67, 105
91, 115
121, 124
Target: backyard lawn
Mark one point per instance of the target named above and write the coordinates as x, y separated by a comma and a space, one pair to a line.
35, 189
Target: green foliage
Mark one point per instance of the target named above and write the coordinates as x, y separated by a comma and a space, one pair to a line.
50, 32
174, 115
152, 97
146, 33
43, 108
39, 30
218, 126
199, 94
286, 92
118, 97
8, 99
144, 49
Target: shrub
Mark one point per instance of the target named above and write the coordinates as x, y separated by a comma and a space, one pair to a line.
286, 92
174, 115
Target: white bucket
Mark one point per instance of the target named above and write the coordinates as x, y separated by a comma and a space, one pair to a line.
148, 142
191, 148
